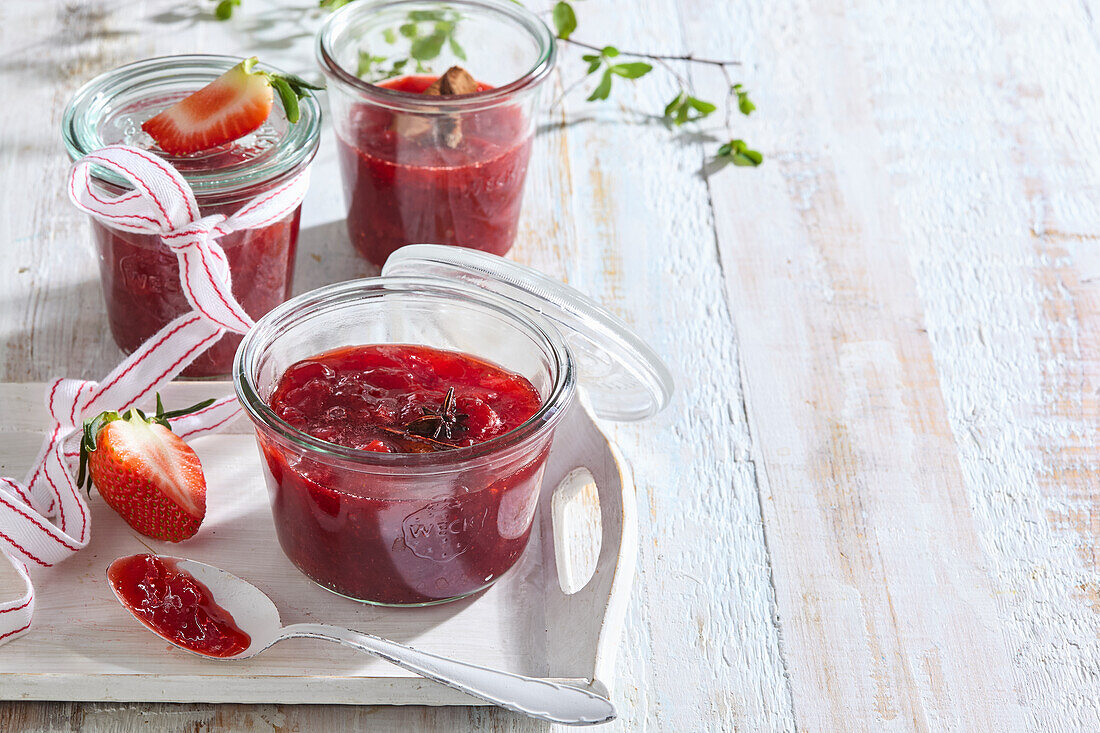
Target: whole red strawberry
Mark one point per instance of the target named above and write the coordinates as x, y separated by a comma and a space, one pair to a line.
145, 472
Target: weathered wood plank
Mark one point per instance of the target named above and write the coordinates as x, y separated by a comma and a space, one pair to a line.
1002, 219
701, 646
886, 609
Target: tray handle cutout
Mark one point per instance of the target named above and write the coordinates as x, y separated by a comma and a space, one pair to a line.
575, 515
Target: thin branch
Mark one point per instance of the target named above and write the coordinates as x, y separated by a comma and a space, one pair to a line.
567, 90
690, 57
677, 75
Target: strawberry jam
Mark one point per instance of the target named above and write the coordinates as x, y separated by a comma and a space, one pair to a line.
396, 536
404, 189
174, 604
141, 281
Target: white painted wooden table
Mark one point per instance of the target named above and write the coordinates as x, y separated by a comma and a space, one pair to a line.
875, 501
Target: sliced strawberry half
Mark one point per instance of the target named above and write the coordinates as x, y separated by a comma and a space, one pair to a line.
145, 472
230, 107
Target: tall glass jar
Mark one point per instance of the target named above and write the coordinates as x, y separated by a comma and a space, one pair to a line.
438, 168
140, 276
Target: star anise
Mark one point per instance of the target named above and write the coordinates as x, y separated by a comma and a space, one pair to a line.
443, 424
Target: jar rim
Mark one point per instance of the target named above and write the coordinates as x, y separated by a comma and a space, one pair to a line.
93, 100
267, 330
404, 101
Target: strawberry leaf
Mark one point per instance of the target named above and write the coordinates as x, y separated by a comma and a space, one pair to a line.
288, 97
300, 85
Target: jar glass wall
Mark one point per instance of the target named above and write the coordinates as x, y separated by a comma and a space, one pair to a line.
140, 276
434, 168
404, 529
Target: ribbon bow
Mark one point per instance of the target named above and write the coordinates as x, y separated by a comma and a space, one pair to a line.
43, 519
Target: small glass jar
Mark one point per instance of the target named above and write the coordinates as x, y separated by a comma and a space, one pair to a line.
417, 529
446, 169
140, 276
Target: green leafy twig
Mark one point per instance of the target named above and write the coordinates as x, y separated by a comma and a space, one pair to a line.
427, 33
684, 108
603, 60
430, 31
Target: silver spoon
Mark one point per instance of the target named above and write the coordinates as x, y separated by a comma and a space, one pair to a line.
255, 614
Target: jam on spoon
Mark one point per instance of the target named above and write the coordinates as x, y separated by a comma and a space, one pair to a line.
171, 602
233, 597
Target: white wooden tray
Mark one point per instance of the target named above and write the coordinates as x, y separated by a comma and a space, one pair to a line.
84, 646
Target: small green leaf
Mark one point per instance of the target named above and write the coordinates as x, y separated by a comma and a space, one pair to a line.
565, 20
686, 108
677, 102
743, 102
456, 49
738, 153
366, 64
609, 51
224, 9
408, 30
748, 159
428, 47
703, 108
389, 36
632, 70
603, 89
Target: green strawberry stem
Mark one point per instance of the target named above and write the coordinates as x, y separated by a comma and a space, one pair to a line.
289, 87
93, 426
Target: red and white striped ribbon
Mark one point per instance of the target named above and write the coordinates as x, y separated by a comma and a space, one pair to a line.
44, 519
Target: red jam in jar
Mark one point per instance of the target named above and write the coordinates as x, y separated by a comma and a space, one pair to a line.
139, 274
141, 281
384, 542
174, 604
402, 190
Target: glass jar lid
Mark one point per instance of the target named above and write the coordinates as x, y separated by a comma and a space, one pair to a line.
109, 110
623, 377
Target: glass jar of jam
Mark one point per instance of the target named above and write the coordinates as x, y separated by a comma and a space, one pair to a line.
404, 421
140, 276
446, 168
